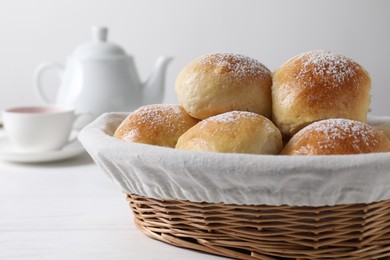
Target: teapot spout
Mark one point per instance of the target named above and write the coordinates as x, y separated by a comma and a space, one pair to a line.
153, 88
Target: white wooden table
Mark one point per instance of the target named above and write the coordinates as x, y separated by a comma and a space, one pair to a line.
71, 210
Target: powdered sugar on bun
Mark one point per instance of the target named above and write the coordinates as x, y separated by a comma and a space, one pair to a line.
235, 65
159, 124
360, 135
233, 132
235, 117
153, 116
337, 136
216, 83
232, 117
331, 68
317, 85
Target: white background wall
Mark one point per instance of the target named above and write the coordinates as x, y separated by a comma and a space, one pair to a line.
273, 31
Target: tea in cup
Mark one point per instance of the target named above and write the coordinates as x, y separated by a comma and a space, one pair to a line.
39, 128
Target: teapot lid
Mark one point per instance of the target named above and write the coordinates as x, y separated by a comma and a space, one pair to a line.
98, 48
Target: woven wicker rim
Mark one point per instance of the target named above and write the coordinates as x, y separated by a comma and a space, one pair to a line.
358, 231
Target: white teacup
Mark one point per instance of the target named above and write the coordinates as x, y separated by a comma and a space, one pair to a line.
39, 128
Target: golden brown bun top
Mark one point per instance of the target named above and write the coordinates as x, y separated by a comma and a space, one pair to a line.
324, 71
233, 132
317, 85
221, 82
160, 124
231, 65
337, 136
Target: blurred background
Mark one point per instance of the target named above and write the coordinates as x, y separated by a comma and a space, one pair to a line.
271, 31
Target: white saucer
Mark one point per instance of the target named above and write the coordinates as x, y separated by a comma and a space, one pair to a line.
8, 153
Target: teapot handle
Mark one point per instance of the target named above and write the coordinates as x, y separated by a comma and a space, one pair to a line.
37, 78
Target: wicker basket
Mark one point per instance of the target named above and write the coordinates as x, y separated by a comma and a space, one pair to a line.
360, 231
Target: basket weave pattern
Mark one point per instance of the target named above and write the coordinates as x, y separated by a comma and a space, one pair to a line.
358, 231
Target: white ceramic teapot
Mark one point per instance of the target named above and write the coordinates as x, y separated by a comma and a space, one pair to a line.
100, 77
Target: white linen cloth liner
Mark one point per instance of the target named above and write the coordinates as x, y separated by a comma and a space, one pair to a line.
166, 173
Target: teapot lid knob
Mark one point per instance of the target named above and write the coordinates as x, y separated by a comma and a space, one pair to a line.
99, 33
98, 48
